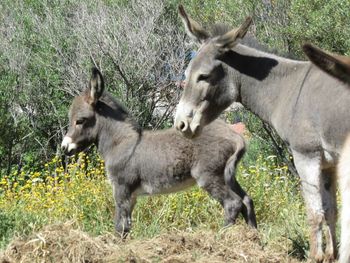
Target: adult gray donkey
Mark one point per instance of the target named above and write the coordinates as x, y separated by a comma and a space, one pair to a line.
338, 67
155, 162
294, 97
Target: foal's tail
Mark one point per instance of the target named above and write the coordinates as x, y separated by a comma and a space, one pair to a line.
230, 180
344, 185
231, 164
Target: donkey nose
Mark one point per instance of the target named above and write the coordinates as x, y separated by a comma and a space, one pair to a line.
64, 148
67, 141
182, 126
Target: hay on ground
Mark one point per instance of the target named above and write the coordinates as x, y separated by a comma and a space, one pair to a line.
64, 243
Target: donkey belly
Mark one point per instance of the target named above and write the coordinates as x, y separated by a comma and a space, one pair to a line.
164, 162
162, 176
164, 187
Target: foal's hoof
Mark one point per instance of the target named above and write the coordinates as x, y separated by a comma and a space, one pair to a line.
253, 224
229, 224
122, 235
122, 232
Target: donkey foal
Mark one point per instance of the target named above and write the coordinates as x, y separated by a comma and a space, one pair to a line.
155, 162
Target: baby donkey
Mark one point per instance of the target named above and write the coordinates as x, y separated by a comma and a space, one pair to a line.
155, 162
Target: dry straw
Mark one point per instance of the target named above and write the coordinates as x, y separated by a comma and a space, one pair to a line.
64, 243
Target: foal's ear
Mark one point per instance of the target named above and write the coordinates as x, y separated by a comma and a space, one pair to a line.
230, 39
193, 29
335, 65
96, 86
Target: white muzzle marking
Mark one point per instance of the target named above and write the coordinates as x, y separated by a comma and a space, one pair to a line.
183, 111
197, 118
68, 144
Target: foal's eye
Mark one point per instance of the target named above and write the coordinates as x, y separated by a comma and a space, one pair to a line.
203, 77
80, 121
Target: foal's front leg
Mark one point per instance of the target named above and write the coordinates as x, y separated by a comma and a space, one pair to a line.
125, 202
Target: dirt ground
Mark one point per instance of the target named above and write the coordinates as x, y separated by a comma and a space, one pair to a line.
64, 243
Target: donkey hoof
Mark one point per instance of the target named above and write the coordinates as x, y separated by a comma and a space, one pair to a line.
319, 258
122, 231
230, 223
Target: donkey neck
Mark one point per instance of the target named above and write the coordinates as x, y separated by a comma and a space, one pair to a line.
118, 136
265, 80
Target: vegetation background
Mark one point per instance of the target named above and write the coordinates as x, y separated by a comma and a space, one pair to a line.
47, 50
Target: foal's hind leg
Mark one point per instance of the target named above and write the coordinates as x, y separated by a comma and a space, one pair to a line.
229, 200
230, 180
248, 206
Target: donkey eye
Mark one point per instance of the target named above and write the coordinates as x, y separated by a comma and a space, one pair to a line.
203, 77
205, 94
80, 121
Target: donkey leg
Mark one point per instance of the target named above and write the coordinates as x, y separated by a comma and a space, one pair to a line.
230, 179
230, 201
248, 205
125, 202
309, 169
329, 203
344, 185
233, 205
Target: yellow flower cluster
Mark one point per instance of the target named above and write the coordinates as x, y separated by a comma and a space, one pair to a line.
80, 192
56, 192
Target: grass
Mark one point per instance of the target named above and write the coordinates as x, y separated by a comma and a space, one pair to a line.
30, 201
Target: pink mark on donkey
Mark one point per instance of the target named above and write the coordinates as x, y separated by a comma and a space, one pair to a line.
239, 127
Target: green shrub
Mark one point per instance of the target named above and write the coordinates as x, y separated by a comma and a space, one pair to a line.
324, 23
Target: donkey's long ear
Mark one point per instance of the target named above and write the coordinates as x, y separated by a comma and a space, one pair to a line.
335, 65
96, 86
193, 29
230, 39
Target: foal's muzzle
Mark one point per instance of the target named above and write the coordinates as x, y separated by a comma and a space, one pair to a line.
67, 146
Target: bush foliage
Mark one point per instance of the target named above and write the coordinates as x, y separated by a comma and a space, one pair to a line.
47, 48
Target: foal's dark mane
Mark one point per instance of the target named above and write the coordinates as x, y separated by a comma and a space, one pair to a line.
116, 110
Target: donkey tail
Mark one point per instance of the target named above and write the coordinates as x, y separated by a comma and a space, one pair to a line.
230, 180
231, 164
344, 185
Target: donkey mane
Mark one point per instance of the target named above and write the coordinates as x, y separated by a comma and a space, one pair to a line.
113, 108
249, 39
219, 29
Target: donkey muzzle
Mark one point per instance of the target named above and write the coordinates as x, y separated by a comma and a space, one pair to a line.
191, 126
188, 127
67, 146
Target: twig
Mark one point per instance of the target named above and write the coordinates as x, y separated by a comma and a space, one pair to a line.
279, 149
